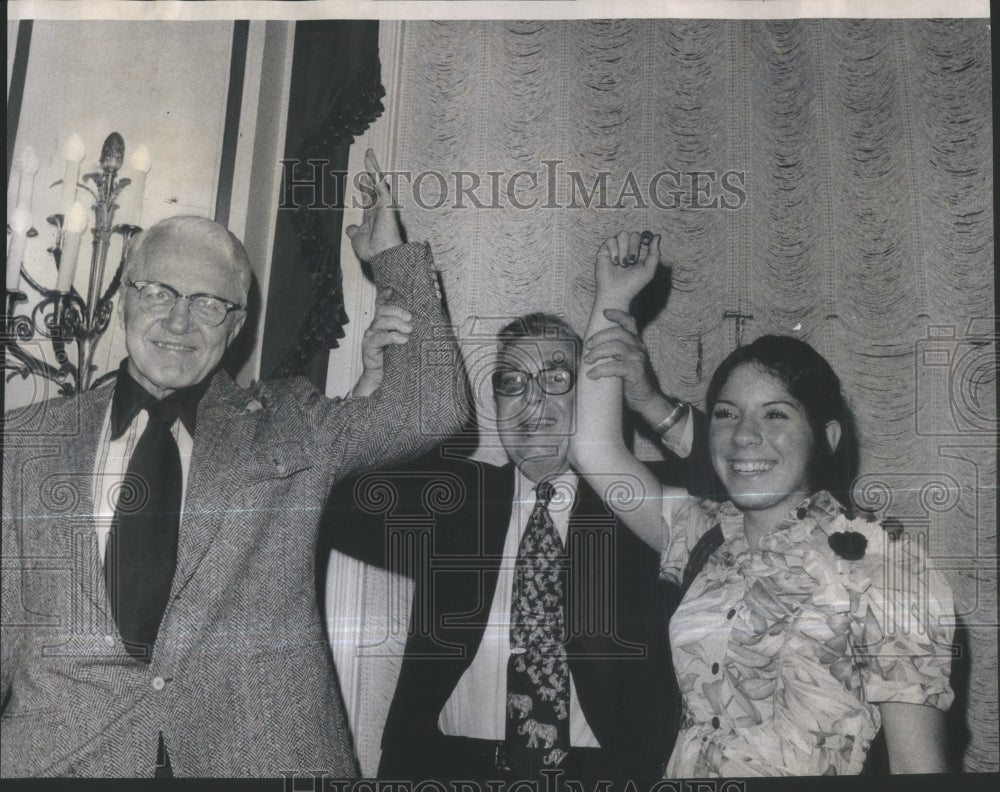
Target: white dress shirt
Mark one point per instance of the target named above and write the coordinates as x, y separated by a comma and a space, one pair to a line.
111, 465
477, 706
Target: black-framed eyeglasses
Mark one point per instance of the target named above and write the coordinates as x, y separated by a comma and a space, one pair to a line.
207, 309
513, 382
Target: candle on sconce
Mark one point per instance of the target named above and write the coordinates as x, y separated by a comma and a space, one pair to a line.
72, 152
135, 193
27, 166
73, 227
20, 224
13, 182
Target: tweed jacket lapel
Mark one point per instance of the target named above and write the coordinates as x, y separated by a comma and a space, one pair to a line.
222, 438
81, 421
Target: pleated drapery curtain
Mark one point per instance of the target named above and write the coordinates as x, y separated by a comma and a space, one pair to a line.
830, 179
335, 93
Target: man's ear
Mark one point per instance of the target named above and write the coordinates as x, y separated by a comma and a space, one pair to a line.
234, 331
833, 435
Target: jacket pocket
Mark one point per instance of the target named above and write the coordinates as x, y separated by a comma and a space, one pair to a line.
276, 461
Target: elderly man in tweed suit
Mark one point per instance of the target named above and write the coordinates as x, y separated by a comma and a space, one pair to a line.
236, 678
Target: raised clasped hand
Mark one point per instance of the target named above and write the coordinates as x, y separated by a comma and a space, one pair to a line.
391, 325
379, 229
618, 351
626, 263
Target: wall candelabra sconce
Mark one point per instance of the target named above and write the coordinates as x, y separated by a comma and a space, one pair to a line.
63, 316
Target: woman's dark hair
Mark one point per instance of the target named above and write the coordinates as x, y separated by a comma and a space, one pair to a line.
807, 377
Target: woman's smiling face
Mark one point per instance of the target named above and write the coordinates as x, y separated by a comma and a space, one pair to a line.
761, 443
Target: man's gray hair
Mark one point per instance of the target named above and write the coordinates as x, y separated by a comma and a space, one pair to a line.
538, 325
208, 231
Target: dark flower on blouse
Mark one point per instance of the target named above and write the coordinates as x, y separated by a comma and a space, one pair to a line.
893, 527
849, 545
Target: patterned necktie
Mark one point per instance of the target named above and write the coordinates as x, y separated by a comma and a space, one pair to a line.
141, 553
537, 732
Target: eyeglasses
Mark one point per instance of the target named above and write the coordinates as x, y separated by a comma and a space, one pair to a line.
514, 382
207, 309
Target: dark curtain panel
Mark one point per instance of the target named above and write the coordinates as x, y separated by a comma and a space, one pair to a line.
335, 94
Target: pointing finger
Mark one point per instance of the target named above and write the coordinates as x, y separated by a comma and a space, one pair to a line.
371, 165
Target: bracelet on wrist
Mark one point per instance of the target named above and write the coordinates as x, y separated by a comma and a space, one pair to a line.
672, 419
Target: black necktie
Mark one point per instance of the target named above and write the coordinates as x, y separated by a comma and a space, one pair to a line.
141, 553
537, 731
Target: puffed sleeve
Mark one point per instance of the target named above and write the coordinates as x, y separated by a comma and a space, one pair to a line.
904, 625
685, 520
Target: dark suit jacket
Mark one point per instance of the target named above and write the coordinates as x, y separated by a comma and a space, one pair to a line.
443, 522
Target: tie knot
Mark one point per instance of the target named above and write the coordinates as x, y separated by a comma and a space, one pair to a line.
162, 411
544, 492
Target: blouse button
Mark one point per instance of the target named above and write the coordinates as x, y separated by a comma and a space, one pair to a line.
715, 668
732, 612
715, 723
801, 513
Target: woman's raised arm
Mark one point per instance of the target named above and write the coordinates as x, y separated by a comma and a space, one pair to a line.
625, 265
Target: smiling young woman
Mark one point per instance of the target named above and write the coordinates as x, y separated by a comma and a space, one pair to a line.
807, 628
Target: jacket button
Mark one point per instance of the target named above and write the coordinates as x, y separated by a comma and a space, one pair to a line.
109, 640
158, 683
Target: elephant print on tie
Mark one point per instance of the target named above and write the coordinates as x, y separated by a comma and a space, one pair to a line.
518, 704
546, 732
537, 672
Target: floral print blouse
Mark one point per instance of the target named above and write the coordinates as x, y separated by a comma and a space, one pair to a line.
782, 655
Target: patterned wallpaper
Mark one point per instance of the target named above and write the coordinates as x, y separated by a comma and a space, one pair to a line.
830, 179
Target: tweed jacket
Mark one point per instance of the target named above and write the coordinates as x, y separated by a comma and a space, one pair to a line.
241, 682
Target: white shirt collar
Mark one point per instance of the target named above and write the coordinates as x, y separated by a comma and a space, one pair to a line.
565, 486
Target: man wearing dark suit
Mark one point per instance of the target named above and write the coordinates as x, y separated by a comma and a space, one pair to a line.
461, 526
206, 656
